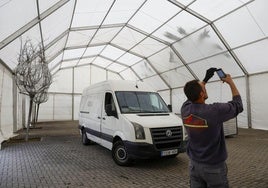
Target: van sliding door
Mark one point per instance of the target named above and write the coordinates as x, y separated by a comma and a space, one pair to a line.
94, 105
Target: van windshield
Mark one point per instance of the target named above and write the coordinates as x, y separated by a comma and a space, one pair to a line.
140, 102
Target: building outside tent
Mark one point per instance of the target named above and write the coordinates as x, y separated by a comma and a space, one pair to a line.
164, 43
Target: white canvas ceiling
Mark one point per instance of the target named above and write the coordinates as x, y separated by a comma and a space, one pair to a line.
146, 38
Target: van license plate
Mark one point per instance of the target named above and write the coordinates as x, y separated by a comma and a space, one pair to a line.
169, 152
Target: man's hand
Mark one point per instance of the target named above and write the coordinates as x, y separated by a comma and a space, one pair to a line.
209, 74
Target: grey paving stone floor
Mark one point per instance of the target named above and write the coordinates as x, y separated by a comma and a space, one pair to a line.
55, 157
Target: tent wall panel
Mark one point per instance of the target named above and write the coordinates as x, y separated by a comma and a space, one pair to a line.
258, 99
254, 62
6, 104
63, 107
58, 107
62, 81
46, 110
81, 78
243, 118
21, 118
77, 99
97, 75
19, 124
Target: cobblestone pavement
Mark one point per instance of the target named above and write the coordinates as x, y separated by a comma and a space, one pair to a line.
55, 157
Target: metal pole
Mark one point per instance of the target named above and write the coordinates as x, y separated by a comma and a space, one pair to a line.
15, 104
248, 102
73, 96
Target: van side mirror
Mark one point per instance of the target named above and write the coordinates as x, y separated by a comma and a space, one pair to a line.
170, 107
109, 110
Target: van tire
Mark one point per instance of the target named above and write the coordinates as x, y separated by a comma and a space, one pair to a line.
120, 154
85, 140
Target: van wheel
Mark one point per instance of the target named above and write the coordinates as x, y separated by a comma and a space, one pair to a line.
120, 155
85, 140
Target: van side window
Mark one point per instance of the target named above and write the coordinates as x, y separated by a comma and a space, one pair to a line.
109, 105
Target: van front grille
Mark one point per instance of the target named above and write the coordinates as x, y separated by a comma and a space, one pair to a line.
167, 137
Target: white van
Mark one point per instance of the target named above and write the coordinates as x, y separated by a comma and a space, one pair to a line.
131, 119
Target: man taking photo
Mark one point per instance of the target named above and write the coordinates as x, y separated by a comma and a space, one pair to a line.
204, 124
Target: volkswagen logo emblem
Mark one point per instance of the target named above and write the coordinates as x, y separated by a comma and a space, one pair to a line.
168, 133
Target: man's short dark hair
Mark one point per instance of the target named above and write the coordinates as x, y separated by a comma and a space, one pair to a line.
192, 90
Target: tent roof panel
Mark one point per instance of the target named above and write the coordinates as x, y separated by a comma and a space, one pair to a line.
57, 22
127, 38
212, 9
128, 74
224, 61
200, 44
13, 15
177, 77
153, 14
112, 52
148, 47
143, 69
105, 35
79, 38
143, 38
165, 60
44, 5
178, 27
122, 11
56, 48
257, 61
252, 28
129, 59
90, 13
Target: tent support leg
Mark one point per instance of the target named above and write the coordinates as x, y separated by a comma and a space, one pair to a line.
248, 102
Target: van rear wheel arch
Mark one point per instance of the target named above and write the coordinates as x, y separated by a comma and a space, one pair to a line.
85, 140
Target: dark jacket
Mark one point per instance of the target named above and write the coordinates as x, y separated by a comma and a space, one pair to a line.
204, 125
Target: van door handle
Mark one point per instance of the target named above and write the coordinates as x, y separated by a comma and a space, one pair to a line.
103, 118
99, 117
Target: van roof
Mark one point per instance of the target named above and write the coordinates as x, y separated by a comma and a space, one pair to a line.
120, 85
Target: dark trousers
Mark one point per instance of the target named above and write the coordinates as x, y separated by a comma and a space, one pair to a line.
208, 176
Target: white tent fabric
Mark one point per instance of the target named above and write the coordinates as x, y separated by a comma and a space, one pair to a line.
164, 43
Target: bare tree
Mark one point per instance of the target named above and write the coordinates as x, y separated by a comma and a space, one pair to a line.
38, 99
32, 74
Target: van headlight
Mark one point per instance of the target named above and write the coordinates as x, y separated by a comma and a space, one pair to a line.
139, 131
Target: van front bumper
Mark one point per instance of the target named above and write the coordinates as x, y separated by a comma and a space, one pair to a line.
147, 151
